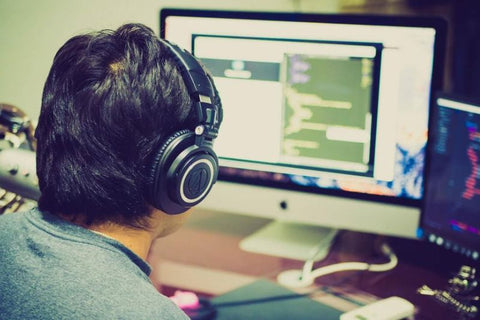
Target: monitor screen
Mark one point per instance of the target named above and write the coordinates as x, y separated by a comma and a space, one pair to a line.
325, 116
450, 216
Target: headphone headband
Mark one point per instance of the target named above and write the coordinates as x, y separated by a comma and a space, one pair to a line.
201, 90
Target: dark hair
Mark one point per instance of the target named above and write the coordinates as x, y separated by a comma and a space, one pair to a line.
111, 97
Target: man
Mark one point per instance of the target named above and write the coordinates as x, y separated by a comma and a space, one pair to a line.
116, 107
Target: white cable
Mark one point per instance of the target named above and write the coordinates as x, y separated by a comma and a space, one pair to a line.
307, 276
348, 266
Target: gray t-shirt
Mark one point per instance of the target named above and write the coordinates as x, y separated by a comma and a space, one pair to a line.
52, 269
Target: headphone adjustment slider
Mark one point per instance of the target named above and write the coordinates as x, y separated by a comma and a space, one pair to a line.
205, 99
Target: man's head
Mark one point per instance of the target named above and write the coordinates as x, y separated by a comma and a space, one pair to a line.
109, 102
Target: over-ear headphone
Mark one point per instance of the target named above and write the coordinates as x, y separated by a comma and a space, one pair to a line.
185, 167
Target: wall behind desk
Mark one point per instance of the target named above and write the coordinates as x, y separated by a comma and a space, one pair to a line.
31, 32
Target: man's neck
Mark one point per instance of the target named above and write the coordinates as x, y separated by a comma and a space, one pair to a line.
137, 240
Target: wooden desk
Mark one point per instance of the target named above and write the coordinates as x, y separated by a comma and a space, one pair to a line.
204, 257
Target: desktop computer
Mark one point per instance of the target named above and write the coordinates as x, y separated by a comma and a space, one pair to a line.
325, 119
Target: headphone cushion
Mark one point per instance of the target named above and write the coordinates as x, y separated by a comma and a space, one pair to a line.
156, 167
164, 147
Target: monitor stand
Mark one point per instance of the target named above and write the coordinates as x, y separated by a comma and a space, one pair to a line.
291, 240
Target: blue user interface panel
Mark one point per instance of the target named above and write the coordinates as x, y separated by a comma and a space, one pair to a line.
450, 216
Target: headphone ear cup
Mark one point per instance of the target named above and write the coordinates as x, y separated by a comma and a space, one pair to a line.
182, 173
192, 176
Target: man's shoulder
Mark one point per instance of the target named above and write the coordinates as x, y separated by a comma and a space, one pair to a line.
133, 308
98, 279
135, 304
10, 223
153, 307
10, 217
